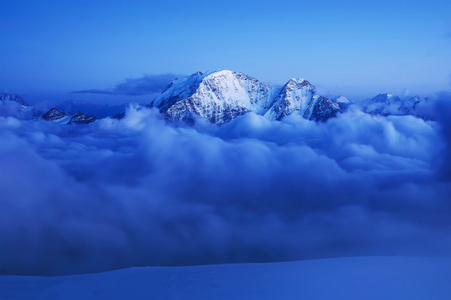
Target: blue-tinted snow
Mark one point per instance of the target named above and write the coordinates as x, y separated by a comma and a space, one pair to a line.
387, 278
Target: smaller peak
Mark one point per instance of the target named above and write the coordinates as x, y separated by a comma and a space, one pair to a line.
299, 83
386, 95
81, 118
386, 98
13, 97
342, 100
54, 114
382, 96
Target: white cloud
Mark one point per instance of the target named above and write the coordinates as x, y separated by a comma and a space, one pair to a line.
138, 191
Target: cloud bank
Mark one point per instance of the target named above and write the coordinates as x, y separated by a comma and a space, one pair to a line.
149, 84
139, 191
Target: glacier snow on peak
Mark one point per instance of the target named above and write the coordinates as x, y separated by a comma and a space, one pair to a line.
221, 96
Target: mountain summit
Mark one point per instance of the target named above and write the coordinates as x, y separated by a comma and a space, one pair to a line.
388, 104
221, 96
15, 98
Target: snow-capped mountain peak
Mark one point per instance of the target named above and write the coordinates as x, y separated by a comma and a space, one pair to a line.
388, 104
343, 100
54, 114
81, 118
221, 96
15, 106
299, 96
218, 96
12, 97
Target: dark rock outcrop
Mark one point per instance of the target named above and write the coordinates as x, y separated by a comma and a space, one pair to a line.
80, 118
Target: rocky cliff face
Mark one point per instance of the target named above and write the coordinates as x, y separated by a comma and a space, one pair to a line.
80, 118
300, 97
54, 114
223, 95
15, 98
216, 96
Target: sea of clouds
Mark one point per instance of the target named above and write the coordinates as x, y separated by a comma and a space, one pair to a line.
142, 192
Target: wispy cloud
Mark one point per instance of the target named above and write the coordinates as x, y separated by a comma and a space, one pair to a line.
148, 84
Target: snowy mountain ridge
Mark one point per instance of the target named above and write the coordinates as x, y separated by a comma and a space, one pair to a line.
388, 104
221, 96
61, 117
13, 97
15, 106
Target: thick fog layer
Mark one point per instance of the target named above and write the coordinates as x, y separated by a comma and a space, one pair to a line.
139, 191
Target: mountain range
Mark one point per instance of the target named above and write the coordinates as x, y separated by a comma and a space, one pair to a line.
388, 104
221, 96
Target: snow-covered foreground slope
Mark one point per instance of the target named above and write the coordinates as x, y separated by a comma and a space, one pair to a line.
342, 278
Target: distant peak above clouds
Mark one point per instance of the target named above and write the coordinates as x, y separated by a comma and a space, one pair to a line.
13, 97
388, 104
12, 105
54, 114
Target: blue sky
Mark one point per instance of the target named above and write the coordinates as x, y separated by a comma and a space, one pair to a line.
356, 48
